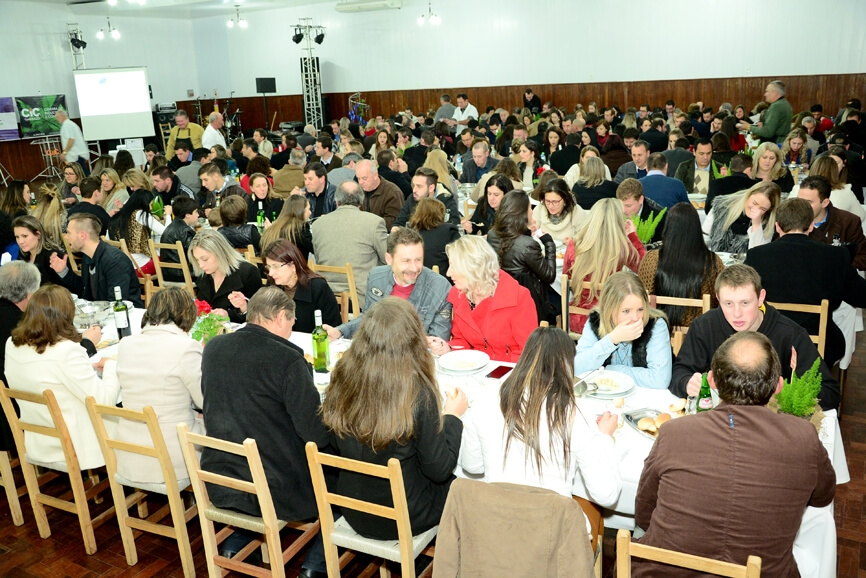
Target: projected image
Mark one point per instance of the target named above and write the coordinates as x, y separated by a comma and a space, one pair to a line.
110, 92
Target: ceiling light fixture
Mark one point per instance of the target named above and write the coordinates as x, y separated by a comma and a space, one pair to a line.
431, 16
112, 2
114, 32
237, 19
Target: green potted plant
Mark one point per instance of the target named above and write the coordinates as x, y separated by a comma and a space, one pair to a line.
647, 228
799, 396
208, 324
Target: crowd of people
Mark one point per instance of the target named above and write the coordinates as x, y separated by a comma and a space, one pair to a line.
601, 195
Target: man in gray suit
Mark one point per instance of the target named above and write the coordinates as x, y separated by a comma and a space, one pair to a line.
635, 168
405, 276
349, 235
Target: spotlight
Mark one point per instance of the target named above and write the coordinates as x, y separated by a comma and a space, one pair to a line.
298, 36
112, 2
242, 23
319, 37
101, 34
78, 43
230, 23
115, 34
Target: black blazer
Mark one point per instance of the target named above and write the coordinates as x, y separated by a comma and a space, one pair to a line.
797, 269
733, 183
564, 159
111, 269
400, 179
43, 263
435, 241
317, 295
587, 197
657, 140
245, 278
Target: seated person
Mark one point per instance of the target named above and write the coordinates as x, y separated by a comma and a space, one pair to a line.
743, 220
492, 311
624, 334
572, 447
429, 220
103, 268
425, 184
184, 213
374, 415
742, 308
238, 232
833, 225
36, 247
406, 277
91, 199
739, 179
759, 510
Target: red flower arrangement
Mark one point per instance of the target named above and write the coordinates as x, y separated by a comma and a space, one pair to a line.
203, 307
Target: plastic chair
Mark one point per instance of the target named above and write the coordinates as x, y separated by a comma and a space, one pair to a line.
626, 549
171, 488
404, 550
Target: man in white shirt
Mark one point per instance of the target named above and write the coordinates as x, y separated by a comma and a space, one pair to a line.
212, 135
463, 113
74, 147
266, 149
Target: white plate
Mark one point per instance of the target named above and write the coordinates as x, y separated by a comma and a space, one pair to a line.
464, 361
619, 385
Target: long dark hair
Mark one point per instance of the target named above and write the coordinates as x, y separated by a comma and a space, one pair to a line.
139, 200
284, 251
684, 259
542, 379
511, 220
499, 181
123, 162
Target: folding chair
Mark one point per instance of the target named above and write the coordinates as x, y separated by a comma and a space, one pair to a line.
182, 266
626, 549
171, 488
267, 524
403, 551
352, 293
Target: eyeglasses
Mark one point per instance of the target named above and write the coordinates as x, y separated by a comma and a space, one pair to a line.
552, 202
275, 266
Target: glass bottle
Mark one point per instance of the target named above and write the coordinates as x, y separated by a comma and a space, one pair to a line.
321, 352
121, 315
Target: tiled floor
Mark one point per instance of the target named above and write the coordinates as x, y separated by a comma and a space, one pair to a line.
23, 554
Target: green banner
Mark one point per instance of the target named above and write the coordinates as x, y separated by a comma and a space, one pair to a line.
36, 114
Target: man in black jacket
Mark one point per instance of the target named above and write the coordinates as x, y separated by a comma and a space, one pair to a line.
564, 159
424, 184
394, 170
91, 196
656, 136
479, 165
185, 216
742, 308
630, 193
258, 385
796, 269
104, 267
739, 179
416, 155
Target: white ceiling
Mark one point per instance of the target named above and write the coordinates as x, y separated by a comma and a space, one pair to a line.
175, 8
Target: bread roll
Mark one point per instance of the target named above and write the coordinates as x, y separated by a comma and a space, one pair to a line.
662, 418
647, 424
619, 402
678, 405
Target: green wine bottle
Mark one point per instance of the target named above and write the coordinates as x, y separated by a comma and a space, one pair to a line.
121, 315
260, 218
321, 352
705, 398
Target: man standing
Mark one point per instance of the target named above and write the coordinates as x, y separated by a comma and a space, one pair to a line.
751, 506
266, 148
480, 165
463, 113
212, 135
406, 277
662, 189
833, 226
797, 269
103, 267
258, 385
381, 197
349, 235
739, 179
446, 109
777, 119
183, 131
425, 183
324, 149
317, 189
635, 168
698, 175
91, 197
73, 146
630, 194
531, 101
742, 308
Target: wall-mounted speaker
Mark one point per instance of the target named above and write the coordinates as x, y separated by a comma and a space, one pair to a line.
266, 85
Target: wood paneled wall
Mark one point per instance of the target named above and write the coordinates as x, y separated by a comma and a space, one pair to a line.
833, 91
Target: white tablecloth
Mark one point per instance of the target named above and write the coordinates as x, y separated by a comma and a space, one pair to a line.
137, 154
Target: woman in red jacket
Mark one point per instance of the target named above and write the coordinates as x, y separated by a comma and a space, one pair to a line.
492, 312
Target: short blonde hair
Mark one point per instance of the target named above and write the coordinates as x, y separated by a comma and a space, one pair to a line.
216, 244
472, 257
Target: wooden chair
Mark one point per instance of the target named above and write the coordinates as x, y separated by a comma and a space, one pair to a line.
73, 260
350, 279
625, 549
567, 308
267, 524
171, 488
703, 303
182, 266
250, 256
822, 310
340, 534
38, 500
8, 483
143, 279
435, 269
595, 516
677, 338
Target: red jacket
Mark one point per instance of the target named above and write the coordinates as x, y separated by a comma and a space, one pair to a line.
499, 328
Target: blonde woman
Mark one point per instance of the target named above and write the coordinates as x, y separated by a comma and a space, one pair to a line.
383, 142
573, 173
114, 194
592, 184
625, 334
505, 167
741, 221
606, 243
767, 166
293, 224
72, 177
437, 161
51, 212
794, 149
841, 194
223, 278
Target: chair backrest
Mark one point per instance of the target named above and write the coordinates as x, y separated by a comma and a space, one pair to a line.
704, 303
625, 549
350, 280
250, 255
325, 499
435, 268
73, 260
677, 338
182, 265
143, 279
822, 310
567, 308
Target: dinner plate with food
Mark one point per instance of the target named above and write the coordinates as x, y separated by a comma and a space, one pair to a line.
609, 384
463, 361
648, 421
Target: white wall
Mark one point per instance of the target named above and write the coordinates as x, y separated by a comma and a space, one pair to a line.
35, 56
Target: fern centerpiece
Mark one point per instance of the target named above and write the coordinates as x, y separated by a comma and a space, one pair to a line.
647, 228
799, 396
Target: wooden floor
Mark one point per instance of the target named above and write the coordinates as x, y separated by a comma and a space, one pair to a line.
23, 554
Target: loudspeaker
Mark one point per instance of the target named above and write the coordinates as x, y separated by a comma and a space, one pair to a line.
164, 117
266, 85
